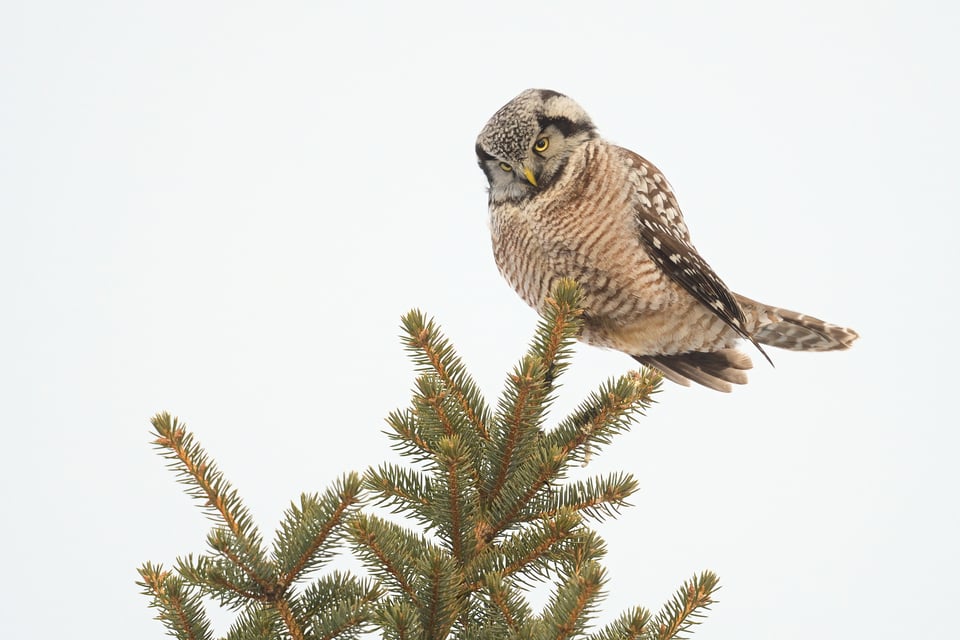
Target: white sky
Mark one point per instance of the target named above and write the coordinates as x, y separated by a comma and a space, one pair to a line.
222, 210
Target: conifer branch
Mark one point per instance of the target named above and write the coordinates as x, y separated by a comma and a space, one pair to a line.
388, 550
440, 593
431, 349
631, 625
405, 490
307, 530
535, 545
527, 394
455, 463
583, 549
687, 608
347, 624
497, 512
338, 606
399, 621
354, 620
559, 325
289, 621
238, 574
518, 421
407, 437
256, 622
431, 395
545, 467
431, 407
595, 498
530, 551
601, 416
506, 601
604, 414
179, 608
226, 580
206, 482
240, 556
574, 603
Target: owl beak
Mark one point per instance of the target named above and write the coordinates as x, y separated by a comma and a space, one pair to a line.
529, 175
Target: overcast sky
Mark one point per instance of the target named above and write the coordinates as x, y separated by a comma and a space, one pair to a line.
222, 209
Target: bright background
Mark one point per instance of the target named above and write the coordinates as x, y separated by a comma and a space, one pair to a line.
222, 210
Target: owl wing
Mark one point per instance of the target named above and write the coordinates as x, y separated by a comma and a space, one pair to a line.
667, 240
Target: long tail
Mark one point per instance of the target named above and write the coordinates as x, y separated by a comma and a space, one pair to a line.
791, 330
772, 326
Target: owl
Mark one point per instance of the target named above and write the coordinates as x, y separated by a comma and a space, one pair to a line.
565, 203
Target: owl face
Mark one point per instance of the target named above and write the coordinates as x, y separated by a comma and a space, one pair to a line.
526, 144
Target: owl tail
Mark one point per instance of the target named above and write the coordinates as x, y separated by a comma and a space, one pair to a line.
767, 325
791, 330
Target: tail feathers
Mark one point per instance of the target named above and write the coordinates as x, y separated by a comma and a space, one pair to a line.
767, 325
713, 369
791, 330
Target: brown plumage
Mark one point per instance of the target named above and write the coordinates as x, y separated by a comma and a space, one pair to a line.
566, 203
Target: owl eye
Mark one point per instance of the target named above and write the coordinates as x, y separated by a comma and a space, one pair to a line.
505, 166
541, 145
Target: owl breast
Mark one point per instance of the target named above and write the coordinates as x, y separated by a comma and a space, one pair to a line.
583, 226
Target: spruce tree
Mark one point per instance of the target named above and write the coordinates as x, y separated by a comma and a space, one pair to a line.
487, 513
240, 573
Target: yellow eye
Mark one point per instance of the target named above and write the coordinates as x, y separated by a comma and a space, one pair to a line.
541, 145
505, 166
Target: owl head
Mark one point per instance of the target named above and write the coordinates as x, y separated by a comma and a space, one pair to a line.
526, 144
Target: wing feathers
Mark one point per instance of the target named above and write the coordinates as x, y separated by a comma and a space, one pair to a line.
667, 241
713, 369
